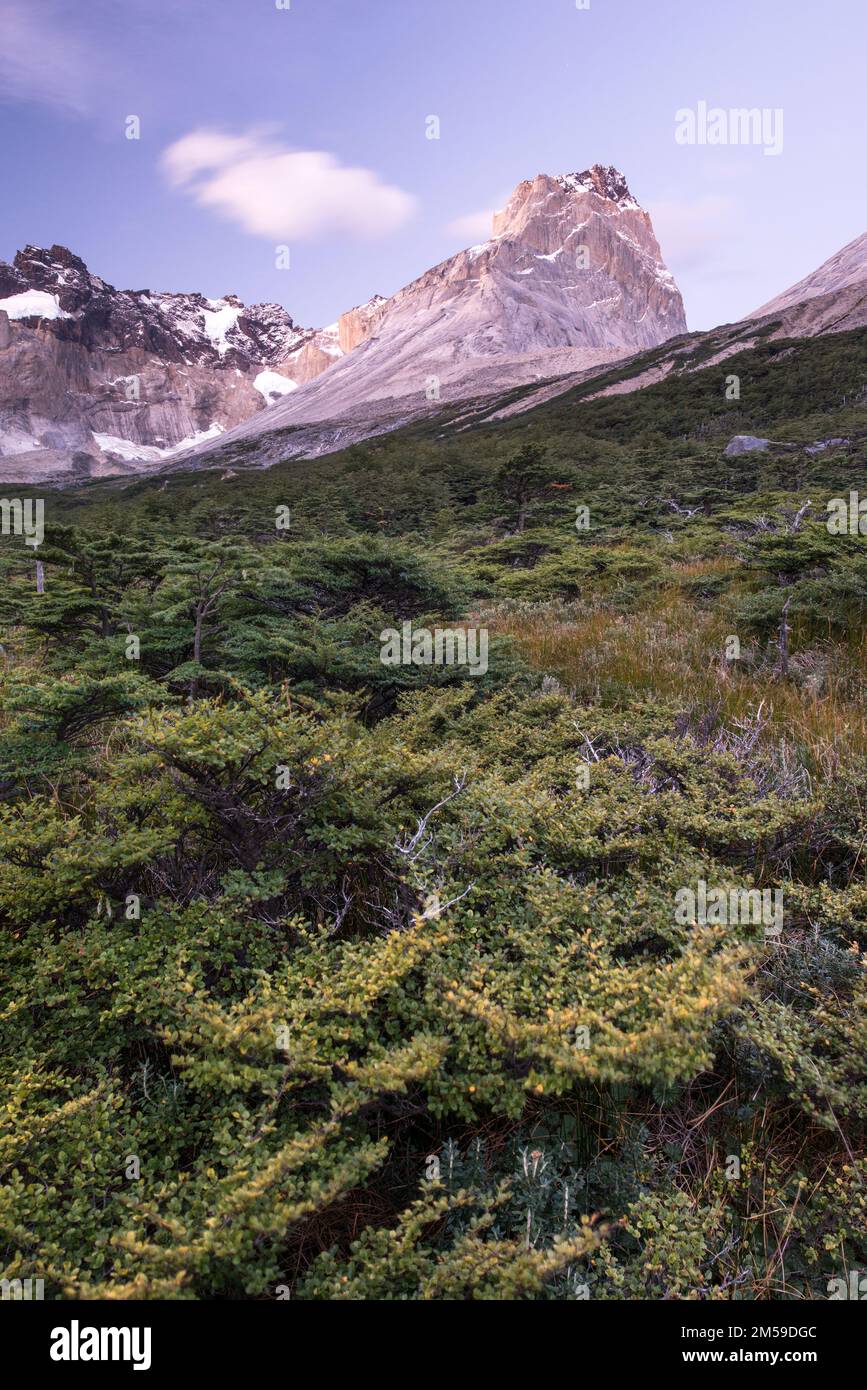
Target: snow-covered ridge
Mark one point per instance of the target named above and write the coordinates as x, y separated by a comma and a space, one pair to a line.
55, 284
107, 377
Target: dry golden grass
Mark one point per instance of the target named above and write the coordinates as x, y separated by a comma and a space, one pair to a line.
673, 651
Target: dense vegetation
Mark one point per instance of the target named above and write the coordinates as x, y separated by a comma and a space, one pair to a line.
326, 978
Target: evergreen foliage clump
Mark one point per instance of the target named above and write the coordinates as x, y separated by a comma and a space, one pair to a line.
343, 980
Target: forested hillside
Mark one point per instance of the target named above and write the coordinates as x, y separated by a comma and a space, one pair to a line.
337, 979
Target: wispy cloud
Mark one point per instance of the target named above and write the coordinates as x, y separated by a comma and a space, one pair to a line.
276, 192
41, 60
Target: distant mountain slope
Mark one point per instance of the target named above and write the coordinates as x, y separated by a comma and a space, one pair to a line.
846, 268
96, 380
569, 291
802, 390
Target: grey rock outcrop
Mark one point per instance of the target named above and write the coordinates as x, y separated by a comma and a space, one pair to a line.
745, 444
822, 444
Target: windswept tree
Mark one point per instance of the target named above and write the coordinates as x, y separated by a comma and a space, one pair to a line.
189, 605
524, 476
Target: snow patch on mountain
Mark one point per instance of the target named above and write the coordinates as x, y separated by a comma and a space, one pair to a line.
274, 384
151, 453
33, 304
219, 320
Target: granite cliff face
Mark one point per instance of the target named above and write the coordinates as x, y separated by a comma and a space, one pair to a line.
571, 277
96, 380
583, 244
358, 324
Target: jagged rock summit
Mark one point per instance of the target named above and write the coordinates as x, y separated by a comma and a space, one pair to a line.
581, 245
95, 379
54, 285
572, 276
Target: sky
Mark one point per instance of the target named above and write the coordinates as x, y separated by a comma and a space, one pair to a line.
305, 125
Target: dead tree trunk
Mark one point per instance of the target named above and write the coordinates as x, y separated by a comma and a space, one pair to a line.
783, 639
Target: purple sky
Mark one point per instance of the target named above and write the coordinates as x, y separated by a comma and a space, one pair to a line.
306, 127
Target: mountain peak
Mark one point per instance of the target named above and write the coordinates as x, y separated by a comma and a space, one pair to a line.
530, 200
54, 257
602, 179
572, 276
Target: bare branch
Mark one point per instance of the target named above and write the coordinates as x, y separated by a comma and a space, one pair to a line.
412, 847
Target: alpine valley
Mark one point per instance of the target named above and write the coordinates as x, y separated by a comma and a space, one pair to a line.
433, 786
